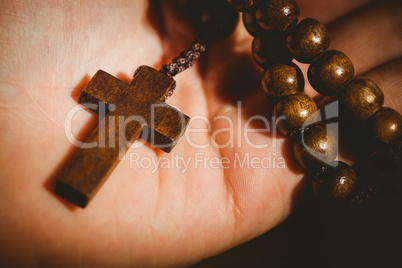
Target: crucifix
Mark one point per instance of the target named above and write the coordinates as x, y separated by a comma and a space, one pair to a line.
134, 110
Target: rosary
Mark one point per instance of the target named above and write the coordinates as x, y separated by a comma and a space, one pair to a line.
279, 39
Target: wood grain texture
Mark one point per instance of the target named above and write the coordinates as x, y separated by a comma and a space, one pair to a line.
281, 80
277, 15
308, 40
331, 72
294, 113
135, 110
361, 98
315, 147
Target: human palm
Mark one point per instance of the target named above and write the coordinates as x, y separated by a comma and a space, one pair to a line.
172, 215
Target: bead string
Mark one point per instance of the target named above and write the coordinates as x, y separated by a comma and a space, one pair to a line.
215, 26
183, 62
278, 40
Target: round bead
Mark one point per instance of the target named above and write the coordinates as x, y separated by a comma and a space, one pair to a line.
337, 182
241, 5
315, 147
308, 40
331, 72
294, 112
361, 98
280, 80
277, 15
269, 49
251, 23
386, 127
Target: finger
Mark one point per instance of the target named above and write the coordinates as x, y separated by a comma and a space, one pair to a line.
325, 11
329, 11
370, 38
388, 78
237, 72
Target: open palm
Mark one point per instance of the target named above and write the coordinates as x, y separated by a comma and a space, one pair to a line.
174, 214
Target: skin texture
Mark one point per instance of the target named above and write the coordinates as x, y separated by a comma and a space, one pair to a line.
49, 50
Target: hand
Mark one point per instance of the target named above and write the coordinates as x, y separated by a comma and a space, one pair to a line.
171, 216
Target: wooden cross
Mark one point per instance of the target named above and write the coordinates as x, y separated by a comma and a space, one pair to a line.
84, 175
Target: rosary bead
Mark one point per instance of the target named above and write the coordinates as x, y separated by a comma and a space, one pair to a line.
269, 49
292, 113
280, 80
251, 23
386, 127
361, 98
336, 183
308, 40
331, 72
315, 147
241, 5
277, 15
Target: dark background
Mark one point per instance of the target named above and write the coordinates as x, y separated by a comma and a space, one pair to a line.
326, 235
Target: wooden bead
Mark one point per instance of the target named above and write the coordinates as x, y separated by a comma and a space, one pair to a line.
386, 127
337, 182
308, 40
241, 5
270, 49
331, 72
281, 80
315, 147
294, 112
251, 23
361, 98
277, 15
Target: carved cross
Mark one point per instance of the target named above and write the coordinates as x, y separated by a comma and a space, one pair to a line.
138, 108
